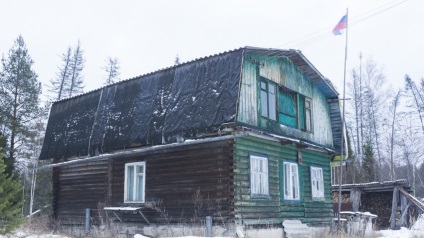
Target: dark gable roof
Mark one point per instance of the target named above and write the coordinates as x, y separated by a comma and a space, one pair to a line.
189, 100
185, 101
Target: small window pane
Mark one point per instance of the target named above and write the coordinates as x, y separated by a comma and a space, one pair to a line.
308, 115
302, 119
139, 189
130, 182
272, 103
140, 169
287, 108
264, 104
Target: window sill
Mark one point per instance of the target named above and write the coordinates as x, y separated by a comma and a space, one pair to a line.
134, 202
294, 201
260, 196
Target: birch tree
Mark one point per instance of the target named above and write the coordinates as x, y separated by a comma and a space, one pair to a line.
393, 112
369, 99
412, 148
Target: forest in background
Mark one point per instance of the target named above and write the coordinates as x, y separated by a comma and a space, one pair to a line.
385, 125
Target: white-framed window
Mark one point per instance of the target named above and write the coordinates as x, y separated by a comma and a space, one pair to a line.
259, 175
135, 180
317, 183
291, 181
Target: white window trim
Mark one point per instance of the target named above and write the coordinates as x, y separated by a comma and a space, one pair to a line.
134, 187
288, 175
259, 180
317, 194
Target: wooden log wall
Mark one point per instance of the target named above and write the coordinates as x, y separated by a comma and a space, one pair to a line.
173, 179
76, 187
174, 176
274, 209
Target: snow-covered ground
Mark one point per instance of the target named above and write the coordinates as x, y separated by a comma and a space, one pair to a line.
403, 233
417, 231
25, 234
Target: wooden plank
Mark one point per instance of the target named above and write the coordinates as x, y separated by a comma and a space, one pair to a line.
394, 208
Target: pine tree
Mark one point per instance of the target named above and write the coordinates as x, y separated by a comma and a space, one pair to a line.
368, 166
112, 70
10, 202
19, 97
76, 83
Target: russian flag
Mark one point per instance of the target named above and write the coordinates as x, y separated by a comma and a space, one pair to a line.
340, 26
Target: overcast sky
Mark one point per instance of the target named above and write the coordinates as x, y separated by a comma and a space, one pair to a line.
147, 35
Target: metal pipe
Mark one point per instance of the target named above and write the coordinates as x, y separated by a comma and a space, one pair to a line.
87, 220
208, 226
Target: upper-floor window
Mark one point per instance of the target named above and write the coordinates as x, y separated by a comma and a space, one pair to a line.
135, 180
268, 100
259, 175
305, 113
308, 114
317, 182
285, 106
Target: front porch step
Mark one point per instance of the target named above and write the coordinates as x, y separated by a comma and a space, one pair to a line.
295, 229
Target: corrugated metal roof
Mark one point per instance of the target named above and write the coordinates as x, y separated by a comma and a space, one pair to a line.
384, 185
295, 56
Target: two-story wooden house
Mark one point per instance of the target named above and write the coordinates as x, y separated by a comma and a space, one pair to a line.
250, 131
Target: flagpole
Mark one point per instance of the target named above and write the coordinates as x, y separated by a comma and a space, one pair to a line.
343, 126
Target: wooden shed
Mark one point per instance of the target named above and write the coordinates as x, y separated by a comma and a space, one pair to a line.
391, 201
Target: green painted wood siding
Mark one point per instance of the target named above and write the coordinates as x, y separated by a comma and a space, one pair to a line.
274, 209
283, 72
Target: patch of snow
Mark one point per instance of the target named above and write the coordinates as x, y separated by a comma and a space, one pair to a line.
402, 233
27, 235
141, 236
419, 225
121, 208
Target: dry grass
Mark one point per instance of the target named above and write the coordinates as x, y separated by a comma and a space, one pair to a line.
328, 233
